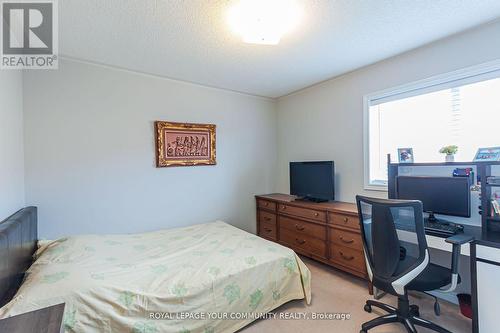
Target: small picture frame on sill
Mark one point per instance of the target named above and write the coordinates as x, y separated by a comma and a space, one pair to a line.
490, 154
405, 155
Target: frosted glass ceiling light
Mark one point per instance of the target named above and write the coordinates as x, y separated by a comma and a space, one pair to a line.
264, 21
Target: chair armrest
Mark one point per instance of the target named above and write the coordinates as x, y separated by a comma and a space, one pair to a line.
459, 239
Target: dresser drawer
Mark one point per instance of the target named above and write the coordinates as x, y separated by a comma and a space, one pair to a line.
303, 228
350, 239
267, 217
266, 204
348, 221
305, 243
268, 230
303, 212
348, 257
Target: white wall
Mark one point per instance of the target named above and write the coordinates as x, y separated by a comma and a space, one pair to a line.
11, 143
90, 160
325, 122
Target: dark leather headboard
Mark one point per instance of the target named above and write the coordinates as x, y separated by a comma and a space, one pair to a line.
18, 243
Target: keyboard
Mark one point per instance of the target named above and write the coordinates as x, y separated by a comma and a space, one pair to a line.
442, 229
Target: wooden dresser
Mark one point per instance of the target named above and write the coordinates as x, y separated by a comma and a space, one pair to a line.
327, 232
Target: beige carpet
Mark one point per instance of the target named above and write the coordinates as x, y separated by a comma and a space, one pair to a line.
334, 291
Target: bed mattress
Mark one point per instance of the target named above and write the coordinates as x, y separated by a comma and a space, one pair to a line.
204, 278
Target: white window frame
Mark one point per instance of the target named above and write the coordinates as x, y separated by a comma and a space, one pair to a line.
459, 77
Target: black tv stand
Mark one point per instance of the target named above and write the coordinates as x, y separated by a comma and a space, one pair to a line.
315, 200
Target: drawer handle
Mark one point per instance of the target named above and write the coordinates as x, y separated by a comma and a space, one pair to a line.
316, 214
345, 257
266, 204
349, 241
268, 229
267, 218
300, 241
283, 207
346, 220
299, 227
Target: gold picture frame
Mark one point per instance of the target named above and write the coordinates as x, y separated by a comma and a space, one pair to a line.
184, 144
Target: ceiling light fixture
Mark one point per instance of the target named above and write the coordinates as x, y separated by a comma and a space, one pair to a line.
264, 21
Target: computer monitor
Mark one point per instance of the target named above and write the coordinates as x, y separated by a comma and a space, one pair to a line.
440, 195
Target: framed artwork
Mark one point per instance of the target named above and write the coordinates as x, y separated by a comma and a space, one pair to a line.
182, 144
405, 155
487, 154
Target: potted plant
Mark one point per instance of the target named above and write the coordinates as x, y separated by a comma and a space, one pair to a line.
450, 152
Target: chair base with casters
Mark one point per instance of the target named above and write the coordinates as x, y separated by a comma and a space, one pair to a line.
433, 277
406, 314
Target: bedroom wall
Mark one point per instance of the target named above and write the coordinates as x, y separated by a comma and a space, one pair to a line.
11, 143
90, 159
325, 121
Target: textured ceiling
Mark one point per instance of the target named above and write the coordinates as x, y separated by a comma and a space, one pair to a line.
190, 40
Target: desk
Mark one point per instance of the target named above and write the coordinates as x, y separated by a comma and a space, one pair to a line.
436, 242
485, 271
484, 253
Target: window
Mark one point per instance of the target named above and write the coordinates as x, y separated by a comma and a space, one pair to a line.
460, 109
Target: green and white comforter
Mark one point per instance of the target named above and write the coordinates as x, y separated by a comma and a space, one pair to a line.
204, 278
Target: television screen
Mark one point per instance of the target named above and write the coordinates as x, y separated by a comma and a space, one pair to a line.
313, 180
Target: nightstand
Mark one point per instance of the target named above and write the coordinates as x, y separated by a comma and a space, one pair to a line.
46, 320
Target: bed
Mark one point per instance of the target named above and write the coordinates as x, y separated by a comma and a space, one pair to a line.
205, 278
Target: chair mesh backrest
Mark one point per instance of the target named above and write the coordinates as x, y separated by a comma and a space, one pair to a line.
393, 235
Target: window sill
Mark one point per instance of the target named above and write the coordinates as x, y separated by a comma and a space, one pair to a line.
375, 187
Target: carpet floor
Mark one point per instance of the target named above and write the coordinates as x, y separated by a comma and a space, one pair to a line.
336, 292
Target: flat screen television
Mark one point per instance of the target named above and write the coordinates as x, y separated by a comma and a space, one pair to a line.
314, 181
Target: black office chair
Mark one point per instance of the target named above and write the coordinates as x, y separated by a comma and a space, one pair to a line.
398, 260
